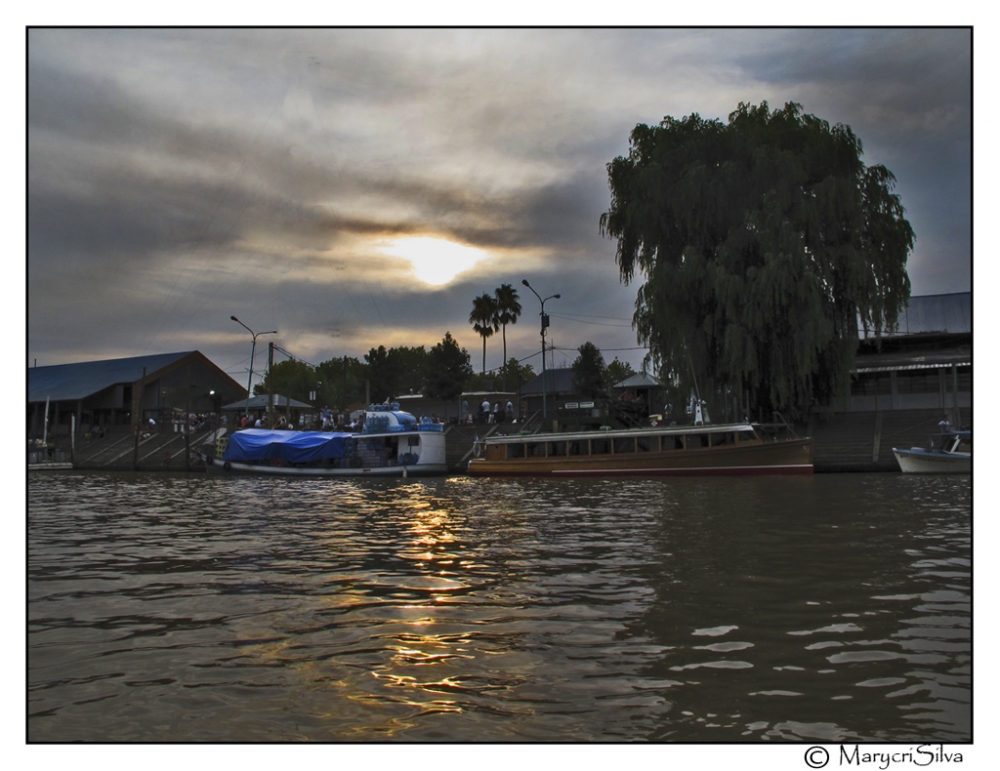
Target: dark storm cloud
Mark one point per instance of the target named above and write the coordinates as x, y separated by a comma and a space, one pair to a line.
177, 177
920, 76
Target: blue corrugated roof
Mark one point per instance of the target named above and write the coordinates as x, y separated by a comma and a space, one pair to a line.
69, 382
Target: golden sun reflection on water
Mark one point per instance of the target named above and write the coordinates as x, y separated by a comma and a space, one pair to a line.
413, 660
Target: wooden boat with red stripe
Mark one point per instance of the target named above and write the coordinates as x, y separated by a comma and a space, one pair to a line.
723, 449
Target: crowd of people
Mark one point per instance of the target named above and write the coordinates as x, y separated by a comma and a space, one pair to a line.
325, 420
488, 414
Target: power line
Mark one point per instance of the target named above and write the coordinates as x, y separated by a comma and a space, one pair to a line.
596, 323
567, 314
295, 358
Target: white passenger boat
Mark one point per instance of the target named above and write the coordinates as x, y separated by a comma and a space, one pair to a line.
949, 453
390, 443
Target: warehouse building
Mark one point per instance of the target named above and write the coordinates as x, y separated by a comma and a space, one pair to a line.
116, 394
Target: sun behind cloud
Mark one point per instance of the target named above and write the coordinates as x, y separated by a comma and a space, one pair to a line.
436, 261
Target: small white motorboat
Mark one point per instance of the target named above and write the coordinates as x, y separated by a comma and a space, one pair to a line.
949, 453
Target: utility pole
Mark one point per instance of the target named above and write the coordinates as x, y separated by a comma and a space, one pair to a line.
545, 325
270, 389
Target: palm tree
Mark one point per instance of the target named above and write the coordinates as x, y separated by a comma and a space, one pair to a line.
484, 319
508, 309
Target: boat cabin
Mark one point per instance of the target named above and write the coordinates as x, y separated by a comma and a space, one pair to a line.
609, 443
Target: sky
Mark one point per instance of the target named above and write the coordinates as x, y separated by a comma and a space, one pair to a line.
328, 183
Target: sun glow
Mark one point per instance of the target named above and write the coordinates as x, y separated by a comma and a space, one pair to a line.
435, 261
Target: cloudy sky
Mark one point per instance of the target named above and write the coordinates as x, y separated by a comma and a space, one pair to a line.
329, 183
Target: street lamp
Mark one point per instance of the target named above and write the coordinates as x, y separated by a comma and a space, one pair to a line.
545, 325
253, 348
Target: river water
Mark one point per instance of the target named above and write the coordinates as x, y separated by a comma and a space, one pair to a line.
170, 608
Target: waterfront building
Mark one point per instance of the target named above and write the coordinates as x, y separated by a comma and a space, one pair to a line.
925, 363
117, 394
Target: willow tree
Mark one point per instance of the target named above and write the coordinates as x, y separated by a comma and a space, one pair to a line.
762, 243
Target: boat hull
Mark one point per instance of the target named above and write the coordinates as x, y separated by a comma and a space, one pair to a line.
918, 461
785, 457
230, 467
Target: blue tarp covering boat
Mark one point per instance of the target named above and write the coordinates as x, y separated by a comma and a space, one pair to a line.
257, 444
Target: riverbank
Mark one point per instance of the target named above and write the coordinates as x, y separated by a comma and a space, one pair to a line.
844, 443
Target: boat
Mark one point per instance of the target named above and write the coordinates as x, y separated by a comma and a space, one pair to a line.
949, 453
391, 443
705, 449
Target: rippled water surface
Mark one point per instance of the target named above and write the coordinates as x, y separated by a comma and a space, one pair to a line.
185, 608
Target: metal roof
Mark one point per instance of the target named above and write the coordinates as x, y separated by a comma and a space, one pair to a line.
556, 381
259, 402
70, 382
639, 380
901, 360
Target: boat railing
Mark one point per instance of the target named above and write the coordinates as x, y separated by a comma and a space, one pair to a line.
778, 428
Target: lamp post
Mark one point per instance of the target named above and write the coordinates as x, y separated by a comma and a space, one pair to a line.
253, 348
545, 325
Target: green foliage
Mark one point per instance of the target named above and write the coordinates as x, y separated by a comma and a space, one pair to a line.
515, 375
382, 377
343, 382
449, 369
484, 319
294, 379
762, 242
589, 372
411, 367
618, 371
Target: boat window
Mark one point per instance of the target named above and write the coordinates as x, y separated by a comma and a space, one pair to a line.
624, 444
645, 443
727, 437
746, 436
413, 441
577, 448
600, 446
556, 449
515, 451
536, 449
695, 441
675, 442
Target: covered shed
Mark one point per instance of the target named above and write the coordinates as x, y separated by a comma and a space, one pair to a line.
120, 393
257, 406
557, 387
640, 389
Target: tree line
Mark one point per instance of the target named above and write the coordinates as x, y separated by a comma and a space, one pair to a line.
442, 372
